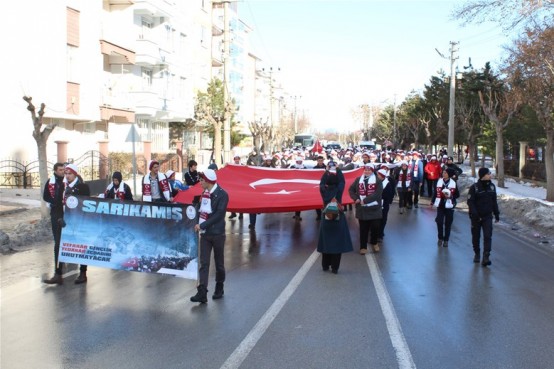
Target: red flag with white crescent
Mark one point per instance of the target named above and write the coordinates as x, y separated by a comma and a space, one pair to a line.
270, 190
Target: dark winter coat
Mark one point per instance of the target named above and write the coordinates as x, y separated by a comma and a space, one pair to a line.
389, 191
56, 202
215, 224
367, 212
331, 186
111, 193
334, 235
482, 201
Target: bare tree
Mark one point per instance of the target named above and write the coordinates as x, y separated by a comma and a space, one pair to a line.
500, 105
529, 68
40, 134
509, 13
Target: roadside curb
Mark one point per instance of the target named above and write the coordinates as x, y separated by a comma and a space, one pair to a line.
11, 211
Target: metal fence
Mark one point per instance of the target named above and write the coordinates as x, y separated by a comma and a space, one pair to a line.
18, 174
92, 165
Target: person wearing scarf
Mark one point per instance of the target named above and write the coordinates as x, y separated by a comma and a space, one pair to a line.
334, 235
73, 186
211, 225
444, 199
174, 185
367, 191
155, 187
403, 185
118, 189
53, 196
389, 192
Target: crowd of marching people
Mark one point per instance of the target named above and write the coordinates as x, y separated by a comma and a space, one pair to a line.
409, 175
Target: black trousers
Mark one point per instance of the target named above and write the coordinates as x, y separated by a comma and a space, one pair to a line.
444, 220
415, 193
486, 225
330, 260
431, 186
386, 208
207, 244
57, 232
404, 197
369, 230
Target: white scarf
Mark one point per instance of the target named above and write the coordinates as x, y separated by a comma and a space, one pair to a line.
205, 206
120, 189
440, 186
371, 180
146, 184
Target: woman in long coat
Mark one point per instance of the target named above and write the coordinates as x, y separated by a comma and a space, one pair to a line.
334, 236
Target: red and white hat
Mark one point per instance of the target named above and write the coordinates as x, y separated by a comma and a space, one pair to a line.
209, 176
382, 172
72, 168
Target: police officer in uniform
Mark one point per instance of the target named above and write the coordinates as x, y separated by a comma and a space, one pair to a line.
482, 203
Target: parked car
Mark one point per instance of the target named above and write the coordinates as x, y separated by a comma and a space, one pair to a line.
333, 146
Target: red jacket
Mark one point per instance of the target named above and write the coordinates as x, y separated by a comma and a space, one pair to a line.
433, 170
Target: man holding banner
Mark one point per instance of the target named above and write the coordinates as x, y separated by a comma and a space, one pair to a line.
211, 225
74, 186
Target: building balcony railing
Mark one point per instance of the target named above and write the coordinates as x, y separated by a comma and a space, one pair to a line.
147, 103
153, 8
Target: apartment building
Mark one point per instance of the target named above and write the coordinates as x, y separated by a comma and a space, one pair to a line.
102, 65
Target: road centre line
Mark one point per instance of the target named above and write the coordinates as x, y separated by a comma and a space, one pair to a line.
248, 343
401, 349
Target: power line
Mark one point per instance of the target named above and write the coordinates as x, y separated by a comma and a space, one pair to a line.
258, 33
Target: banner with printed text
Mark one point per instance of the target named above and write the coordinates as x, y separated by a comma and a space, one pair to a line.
126, 235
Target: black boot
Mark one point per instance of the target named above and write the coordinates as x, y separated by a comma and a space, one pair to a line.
82, 278
56, 279
477, 257
218, 291
200, 295
486, 261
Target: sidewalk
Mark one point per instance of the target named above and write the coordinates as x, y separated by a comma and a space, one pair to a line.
13, 200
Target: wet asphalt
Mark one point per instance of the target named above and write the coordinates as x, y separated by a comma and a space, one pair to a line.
281, 310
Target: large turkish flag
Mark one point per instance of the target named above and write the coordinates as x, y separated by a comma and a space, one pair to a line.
270, 190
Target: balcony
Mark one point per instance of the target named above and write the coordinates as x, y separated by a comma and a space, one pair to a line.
148, 53
147, 103
153, 8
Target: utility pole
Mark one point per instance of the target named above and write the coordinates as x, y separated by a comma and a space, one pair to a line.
394, 123
295, 115
226, 99
451, 110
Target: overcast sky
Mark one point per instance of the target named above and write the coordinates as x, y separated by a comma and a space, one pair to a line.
339, 54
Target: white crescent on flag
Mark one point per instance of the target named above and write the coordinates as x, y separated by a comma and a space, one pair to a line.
270, 190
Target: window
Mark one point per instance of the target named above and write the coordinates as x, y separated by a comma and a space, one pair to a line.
72, 56
146, 78
146, 28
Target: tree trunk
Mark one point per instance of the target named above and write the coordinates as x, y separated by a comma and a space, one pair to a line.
471, 149
499, 154
549, 164
217, 144
43, 173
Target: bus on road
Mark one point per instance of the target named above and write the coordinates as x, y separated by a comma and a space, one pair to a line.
304, 140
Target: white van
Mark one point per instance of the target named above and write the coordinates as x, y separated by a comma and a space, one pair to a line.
370, 145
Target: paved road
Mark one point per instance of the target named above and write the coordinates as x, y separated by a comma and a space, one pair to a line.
412, 305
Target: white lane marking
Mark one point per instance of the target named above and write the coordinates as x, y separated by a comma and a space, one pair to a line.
403, 354
248, 343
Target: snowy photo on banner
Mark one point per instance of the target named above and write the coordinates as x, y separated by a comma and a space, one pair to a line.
129, 235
